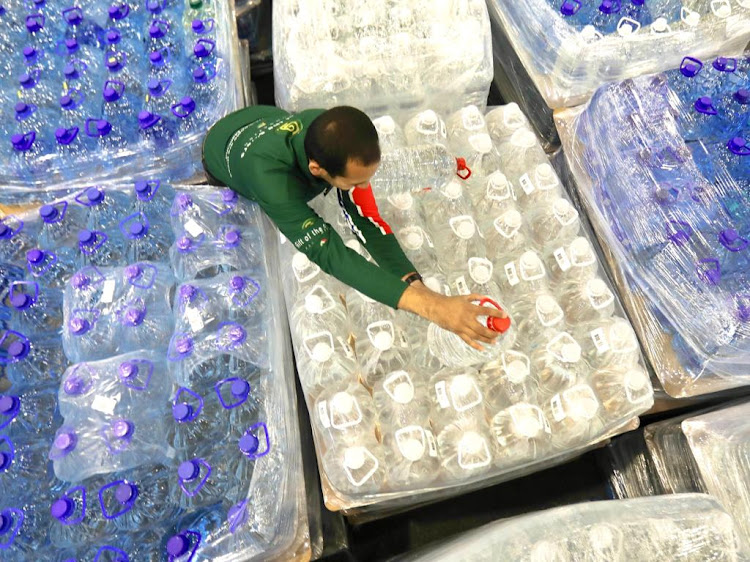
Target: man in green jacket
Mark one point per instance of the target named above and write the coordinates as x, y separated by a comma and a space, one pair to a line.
283, 160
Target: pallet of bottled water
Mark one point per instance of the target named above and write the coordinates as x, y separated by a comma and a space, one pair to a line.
149, 410
391, 56
401, 407
571, 47
680, 528
97, 89
704, 452
662, 164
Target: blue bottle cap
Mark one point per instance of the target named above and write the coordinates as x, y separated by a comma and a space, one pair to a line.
122, 428
705, 104
237, 334
188, 103
48, 212
9, 405
154, 86
62, 508
34, 23
95, 195
73, 15
189, 470
184, 345
237, 283
240, 388
126, 492
157, 30
134, 316
67, 102
722, 63
70, 71
137, 229
232, 238
178, 545
86, 237
182, 412
65, 441
128, 370
5, 461
21, 301
737, 145
22, 142
198, 26
609, 6
200, 75
110, 94
184, 201
154, 6
79, 326
35, 256
4, 230
248, 444
201, 51
22, 109
570, 7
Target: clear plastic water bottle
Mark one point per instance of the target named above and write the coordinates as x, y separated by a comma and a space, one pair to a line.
27, 152
588, 300
29, 418
16, 238
455, 393
124, 18
363, 311
86, 289
414, 168
80, 25
345, 415
58, 226
198, 422
559, 364
96, 248
458, 242
465, 448
50, 269
201, 483
507, 237
426, 128
493, 197
190, 115
204, 51
608, 342
103, 207
89, 335
22, 462
122, 68
553, 224
147, 280
320, 311
522, 433
114, 41
402, 399
411, 455
505, 120
383, 351
156, 131
35, 88
70, 145
524, 276
78, 76
23, 530
194, 310
326, 363
621, 389
508, 380
75, 521
162, 34
153, 197
73, 50
242, 296
390, 135
147, 241
41, 31
30, 117
41, 62
478, 281
538, 319
204, 87
34, 309
103, 136
356, 468
520, 156
574, 416
540, 185
143, 324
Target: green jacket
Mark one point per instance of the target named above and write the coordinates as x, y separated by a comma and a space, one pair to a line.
259, 152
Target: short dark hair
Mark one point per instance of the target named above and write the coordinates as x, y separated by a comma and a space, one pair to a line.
341, 134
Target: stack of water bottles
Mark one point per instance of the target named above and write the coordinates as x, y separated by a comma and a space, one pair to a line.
684, 527
400, 406
92, 87
150, 414
704, 452
571, 47
383, 57
663, 165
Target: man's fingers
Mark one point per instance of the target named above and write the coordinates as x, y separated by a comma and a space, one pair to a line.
483, 333
494, 312
470, 342
485, 310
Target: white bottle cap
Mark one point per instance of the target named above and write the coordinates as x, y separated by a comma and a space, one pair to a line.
580, 248
471, 442
453, 190
583, 407
321, 352
313, 304
529, 260
482, 143
589, 33
403, 393
659, 25
561, 207
480, 270
545, 171
385, 124
342, 402
597, 287
354, 458
497, 180
413, 240
571, 352
471, 117
462, 385
433, 283
512, 219
517, 371
621, 336
402, 201
527, 425
465, 229
412, 449
428, 118
383, 341
300, 261
636, 379
546, 305
692, 18
523, 138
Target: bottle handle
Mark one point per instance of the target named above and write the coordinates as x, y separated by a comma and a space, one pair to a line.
495, 324
462, 170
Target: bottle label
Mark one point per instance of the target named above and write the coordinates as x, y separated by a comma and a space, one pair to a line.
348, 351
193, 228
108, 291
461, 287
194, 319
561, 257
442, 395
325, 421
104, 405
511, 274
557, 408
431, 443
526, 184
402, 339
600, 340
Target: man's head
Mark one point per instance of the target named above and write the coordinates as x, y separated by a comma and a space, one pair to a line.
342, 148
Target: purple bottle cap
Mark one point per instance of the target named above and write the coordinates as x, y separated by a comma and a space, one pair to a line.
146, 119
237, 334
115, 62
202, 50
154, 86
182, 412
4, 230
71, 45
248, 444
142, 187
128, 370
18, 349
118, 12
570, 7
73, 15
137, 229
65, 441
34, 23
134, 316
103, 127
704, 104
232, 238
86, 237
178, 545
66, 136
189, 470
22, 142
22, 109
240, 388
198, 26
126, 492
79, 281
62, 508
67, 102
229, 195
122, 428
79, 326
70, 71
26, 80
5, 460
154, 6
742, 96
21, 301
35, 256
609, 6
110, 94
690, 67
184, 201
187, 292
133, 271
113, 36
737, 145
155, 57
48, 213
29, 52
199, 74
157, 29
237, 283
184, 345
95, 195
722, 63
9, 405
730, 235
184, 244
5, 520
188, 103
73, 385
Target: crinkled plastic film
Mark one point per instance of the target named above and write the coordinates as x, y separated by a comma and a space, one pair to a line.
567, 68
383, 57
661, 207
679, 527
387, 497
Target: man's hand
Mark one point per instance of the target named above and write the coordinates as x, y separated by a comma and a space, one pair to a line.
456, 314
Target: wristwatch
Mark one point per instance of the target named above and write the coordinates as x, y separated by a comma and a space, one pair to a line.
412, 278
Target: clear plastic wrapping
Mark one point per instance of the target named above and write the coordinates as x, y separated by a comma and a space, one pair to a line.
680, 527
402, 411
98, 93
665, 188
385, 58
569, 57
185, 443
